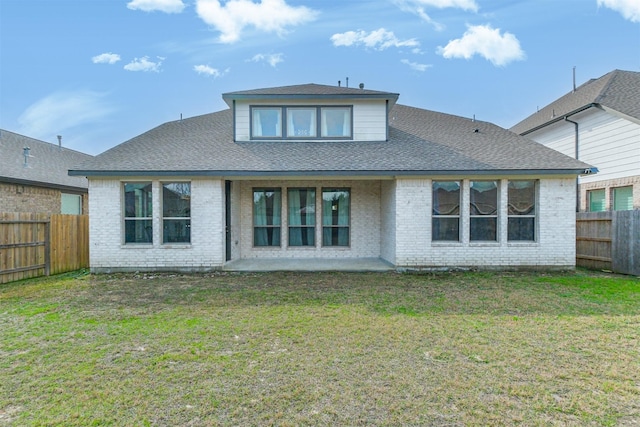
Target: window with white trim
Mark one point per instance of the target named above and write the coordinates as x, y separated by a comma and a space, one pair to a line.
445, 220
176, 212
521, 211
483, 211
138, 224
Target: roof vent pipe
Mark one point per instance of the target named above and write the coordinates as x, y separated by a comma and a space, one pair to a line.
361, 85
26, 152
338, 83
60, 142
574, 78
347, 85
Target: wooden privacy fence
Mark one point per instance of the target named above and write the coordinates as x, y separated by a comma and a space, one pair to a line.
609, 241
34, 245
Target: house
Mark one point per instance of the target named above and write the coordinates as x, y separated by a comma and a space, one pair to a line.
598, 123
317, 172
34, 177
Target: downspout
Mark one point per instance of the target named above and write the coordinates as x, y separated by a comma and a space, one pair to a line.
577, 155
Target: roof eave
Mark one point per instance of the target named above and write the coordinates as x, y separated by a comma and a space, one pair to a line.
560, 117
62, 187
333, 173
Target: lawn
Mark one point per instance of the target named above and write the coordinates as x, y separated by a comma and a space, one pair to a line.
295, 349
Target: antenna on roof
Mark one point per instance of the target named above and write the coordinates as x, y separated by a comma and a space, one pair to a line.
574, 78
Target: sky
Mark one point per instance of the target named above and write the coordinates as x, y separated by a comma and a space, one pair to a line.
100, 72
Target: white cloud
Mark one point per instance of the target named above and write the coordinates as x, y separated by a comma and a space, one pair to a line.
629, 9
378, 39
487, 42
209, 71
272, 59
166, 6
415, 66
417, 7
143, 64
106, 58
60, 111
268, 15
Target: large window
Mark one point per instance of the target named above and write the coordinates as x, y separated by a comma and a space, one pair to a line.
335, 216
267, 205
622, 198
138, 226
304, 122
445, 223
176, 212
483, 209
521, 210
302, 216
597, 201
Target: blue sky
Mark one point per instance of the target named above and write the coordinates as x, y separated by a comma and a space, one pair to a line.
99, 72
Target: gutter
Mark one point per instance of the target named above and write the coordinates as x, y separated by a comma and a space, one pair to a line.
561, 117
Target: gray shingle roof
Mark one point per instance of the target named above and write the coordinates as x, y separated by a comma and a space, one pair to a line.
47, 167
617, 90
420, 141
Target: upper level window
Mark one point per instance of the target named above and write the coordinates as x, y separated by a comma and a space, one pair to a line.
336, 121
267, 122
623, 198
597, 202
304, 122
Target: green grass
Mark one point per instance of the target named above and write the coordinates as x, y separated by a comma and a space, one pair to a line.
452, 349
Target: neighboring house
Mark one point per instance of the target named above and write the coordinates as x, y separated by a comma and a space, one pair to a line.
598, 123
322, 172
34, 177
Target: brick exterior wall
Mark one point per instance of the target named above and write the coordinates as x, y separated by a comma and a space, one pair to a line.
609, 185
106, 242
29, 198
554, 248
364, 227
390, 219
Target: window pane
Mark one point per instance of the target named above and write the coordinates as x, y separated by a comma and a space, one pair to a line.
176, 199
138, 231
266, 217
71, 204
483, 198
623, 199
336, 121
522, 197
521, 228
302, 216
335, 217
444, 228
483, 228
176, 231
137, 200
446, 198
301, 122
267, 122
596, 201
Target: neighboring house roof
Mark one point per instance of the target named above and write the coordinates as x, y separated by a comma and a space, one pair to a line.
47, 165
617, 90
420, 142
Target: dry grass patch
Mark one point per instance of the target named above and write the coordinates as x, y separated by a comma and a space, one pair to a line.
452, 349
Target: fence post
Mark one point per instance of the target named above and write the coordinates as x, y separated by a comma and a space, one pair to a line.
47, 248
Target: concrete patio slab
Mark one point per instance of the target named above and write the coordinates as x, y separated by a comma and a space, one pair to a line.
308, 264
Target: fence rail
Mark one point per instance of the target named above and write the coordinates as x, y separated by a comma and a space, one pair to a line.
34, 245
609, 241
